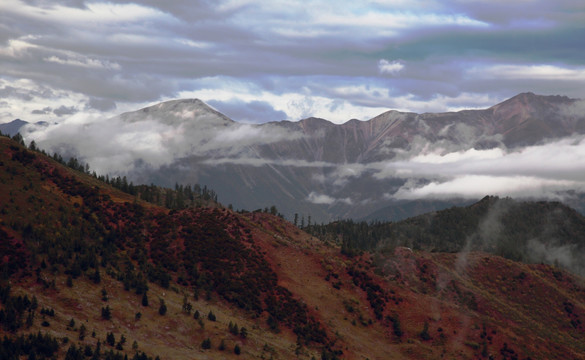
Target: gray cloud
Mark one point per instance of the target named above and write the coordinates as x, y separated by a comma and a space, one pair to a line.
65, 110
254, 112
348, 61
43, 111
9, 91
44, 3
101, 104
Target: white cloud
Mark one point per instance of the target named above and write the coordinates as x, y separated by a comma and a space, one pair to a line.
94, 13
320, 198
159, 136
194, 44
535, 171
16, 48
531, 72
241, 135
111, 146
297, 105
390, 67
84, 62
395, 20
478, 186
323, 199
577, 109
459, 156
440, 103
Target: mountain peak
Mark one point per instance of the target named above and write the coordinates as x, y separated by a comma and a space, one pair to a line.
179, 111
532, 99
311, 124
13, 127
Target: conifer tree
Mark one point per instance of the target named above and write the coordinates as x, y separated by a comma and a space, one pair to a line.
163, 307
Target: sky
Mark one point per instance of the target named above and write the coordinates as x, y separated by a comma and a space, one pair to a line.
259, 61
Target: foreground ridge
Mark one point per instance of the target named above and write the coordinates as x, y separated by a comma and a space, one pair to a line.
117, 276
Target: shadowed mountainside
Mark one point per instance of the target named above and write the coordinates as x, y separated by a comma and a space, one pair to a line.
311, 167
527, 231
314, 167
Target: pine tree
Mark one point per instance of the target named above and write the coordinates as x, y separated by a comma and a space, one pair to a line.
106, 313
110, 339
163, 307
82, 332
96, 276
424, 334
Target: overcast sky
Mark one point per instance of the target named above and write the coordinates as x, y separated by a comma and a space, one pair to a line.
257, 61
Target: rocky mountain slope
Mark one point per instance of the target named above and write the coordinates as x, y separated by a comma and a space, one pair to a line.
12, 128
312, 167
91, 272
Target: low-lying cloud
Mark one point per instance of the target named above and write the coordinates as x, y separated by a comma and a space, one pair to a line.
477, 186
568, 256
323, 199
156, 137
162, 135
543, 171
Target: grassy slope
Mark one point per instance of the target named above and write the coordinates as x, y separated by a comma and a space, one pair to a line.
472, 302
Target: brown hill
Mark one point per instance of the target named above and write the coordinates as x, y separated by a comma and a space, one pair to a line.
88, 255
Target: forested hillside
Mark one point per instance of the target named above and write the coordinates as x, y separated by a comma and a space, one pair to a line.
63, 221
527, 231
91, 272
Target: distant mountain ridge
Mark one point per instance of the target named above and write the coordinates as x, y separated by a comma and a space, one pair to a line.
12, 128
316, 168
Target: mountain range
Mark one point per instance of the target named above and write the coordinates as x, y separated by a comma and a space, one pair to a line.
90, 272
374, 169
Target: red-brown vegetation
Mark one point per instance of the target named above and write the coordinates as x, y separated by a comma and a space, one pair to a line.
65, 239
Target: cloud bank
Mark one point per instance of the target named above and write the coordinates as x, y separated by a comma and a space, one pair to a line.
441, 170
543, 171
284, 60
